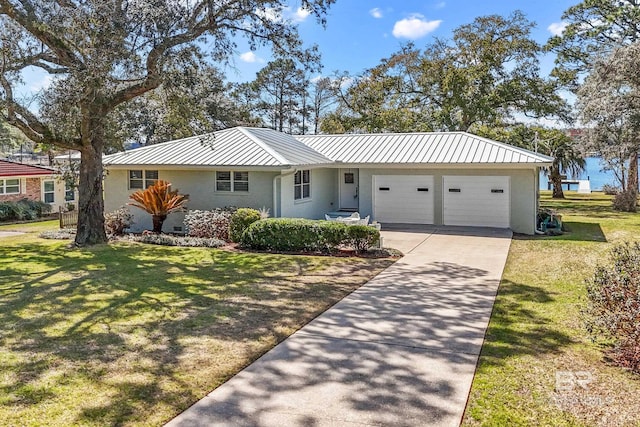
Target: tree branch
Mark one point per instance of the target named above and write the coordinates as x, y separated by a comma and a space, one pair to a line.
30, 21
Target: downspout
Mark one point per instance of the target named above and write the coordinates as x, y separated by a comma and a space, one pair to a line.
275, 190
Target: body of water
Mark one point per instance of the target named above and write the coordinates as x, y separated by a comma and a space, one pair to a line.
593, 173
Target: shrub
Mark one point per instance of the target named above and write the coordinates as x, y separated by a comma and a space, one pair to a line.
209, 224
24, 209
362, 237
626, 201
169, 240
295, 234
610, 190
613, 309
38, 208
117, 221
240, 220
158, 201
5, 211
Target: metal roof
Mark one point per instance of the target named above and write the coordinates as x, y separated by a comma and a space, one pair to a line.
258, 147
420, 148
239, 146
8, 168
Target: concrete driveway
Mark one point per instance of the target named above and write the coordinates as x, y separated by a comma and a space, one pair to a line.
399, 351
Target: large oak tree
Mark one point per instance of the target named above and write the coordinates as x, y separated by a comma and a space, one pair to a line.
104, 53
488, 73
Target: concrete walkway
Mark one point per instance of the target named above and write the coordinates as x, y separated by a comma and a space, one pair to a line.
399, 351
10, 233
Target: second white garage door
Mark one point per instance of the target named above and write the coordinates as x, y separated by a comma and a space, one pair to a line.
481, 201
403, 199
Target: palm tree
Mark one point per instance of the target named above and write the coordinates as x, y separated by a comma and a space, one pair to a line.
159, 201
566, 159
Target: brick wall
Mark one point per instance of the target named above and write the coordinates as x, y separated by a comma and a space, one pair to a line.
33, 192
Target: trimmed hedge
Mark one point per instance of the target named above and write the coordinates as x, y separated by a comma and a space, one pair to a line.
240, 221
362, 237
24, 209
295, 234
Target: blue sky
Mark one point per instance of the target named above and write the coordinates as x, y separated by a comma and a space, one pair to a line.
361, 32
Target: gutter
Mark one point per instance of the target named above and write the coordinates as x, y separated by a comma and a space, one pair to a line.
275, 189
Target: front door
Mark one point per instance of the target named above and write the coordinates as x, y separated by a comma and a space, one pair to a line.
349, 189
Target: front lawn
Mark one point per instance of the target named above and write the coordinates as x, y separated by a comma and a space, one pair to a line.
538, 366
131, 334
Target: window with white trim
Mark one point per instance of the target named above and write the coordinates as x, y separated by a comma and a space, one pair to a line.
302, 185
49, 191
140, 179
10, 186
232, 181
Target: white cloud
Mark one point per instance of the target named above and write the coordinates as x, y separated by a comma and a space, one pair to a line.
376, 13
414, 27
557, 28
250, 57
440, 5
300, 15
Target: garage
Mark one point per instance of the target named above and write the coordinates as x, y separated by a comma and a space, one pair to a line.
403, 199
481, 201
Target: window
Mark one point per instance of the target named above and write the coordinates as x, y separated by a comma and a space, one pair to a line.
302, 185
49, 192
232, 181
69, 192
9, 186
139, 179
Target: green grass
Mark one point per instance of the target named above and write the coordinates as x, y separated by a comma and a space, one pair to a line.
31, 227
130, 334
537, 333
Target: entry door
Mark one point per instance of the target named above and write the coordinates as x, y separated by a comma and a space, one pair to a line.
349, 189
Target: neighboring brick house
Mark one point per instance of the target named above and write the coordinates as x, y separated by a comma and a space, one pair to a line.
21, 181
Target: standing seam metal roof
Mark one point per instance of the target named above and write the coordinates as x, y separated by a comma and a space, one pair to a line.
261, 147
237, 146
419, 148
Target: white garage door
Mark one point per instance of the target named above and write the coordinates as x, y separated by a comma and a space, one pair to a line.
481, 201
403, 199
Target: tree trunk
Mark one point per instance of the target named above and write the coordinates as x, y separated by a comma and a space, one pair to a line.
632, 177
158, 220
90, 228
556, 181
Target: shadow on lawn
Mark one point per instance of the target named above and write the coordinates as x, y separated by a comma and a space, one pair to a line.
574, 231
118, 320
516, 329
364, 361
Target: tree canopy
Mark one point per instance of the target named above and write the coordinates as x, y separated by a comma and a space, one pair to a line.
594, 28
609, 105
487, 74
599, 29
102, 54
